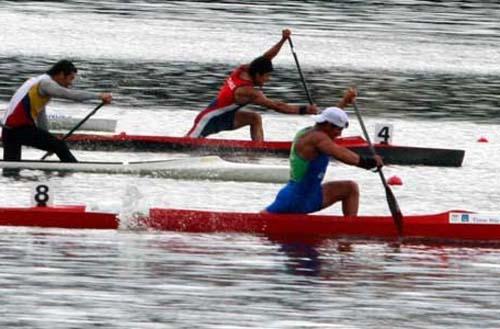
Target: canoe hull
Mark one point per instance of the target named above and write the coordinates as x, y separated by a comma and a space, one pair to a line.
421, 227
400, 155
68, 217
446, 227
64, 122
93, 124
193, 168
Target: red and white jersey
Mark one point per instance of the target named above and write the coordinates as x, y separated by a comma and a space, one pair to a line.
224, 103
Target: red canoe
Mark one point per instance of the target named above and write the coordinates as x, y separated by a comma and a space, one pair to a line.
75, 217
451, 226
393, 154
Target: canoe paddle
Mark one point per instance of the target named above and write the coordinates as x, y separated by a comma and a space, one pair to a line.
391, 199
300, 71
78, 125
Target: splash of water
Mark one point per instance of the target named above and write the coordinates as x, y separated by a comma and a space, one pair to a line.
133, 209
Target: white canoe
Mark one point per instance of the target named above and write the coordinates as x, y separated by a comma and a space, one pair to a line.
63, 122
58, 122
207, 167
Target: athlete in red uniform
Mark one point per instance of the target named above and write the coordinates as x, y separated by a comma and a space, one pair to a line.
241, 88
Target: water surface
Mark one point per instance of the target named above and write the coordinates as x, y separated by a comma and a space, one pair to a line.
430, 68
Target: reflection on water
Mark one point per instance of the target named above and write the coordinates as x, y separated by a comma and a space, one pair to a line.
56, 278
184, 85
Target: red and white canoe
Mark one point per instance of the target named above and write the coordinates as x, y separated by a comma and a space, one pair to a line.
393, 154
451, 226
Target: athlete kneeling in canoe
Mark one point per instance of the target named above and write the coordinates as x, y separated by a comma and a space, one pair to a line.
25, 121
241, 89
309, 157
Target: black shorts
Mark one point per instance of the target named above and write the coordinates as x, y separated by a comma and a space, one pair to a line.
219, 123
14, 138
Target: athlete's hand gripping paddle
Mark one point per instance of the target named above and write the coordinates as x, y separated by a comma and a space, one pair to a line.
78, 125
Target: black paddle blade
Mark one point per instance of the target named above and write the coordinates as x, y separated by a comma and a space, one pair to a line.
396, 213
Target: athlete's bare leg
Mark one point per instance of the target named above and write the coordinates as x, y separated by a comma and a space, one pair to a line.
346, 191
254, 120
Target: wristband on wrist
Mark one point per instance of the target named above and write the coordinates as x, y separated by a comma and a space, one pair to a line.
367, 162
303, 109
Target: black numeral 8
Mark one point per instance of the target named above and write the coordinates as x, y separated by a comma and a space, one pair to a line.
42, 195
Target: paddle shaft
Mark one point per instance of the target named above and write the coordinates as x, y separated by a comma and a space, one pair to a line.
78, 125
309, 98
391, 199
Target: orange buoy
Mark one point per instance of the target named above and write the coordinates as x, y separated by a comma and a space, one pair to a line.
482, 140
395, 180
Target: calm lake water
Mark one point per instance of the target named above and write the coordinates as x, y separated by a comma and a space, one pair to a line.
429, 68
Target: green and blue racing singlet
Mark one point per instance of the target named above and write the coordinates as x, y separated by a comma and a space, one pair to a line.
303, 192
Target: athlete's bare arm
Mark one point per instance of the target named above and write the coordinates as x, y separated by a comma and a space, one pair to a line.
274, 50
324, 144
246, 95
316, 142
